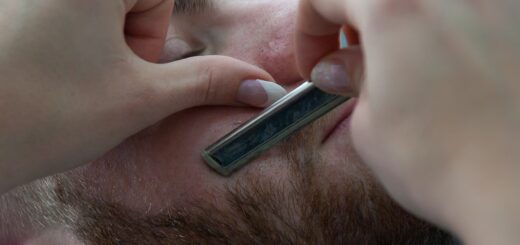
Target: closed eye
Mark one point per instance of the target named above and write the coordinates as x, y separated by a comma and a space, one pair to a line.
178, 49
192, 54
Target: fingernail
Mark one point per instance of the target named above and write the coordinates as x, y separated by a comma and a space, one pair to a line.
331, 76
260, 93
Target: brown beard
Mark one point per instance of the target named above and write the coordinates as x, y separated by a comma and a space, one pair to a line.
305, 209
262, 215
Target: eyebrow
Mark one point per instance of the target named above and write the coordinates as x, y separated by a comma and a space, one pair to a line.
191, 6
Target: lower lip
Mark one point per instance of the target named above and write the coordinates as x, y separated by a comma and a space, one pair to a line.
343, 121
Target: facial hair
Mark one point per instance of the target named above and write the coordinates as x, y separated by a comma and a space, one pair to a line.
302, 209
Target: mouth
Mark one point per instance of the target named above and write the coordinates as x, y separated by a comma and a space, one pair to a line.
339, 120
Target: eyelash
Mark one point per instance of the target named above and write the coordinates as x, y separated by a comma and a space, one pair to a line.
177, 49
191, 54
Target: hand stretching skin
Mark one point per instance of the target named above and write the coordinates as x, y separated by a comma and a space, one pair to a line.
438, 114
77, 79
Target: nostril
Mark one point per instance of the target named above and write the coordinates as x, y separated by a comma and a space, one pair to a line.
351, 35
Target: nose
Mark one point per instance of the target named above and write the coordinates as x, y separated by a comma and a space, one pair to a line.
279, 60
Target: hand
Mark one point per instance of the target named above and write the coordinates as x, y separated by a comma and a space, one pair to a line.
77, 79
439, 96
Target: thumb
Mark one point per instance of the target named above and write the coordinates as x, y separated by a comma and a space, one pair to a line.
340, 72
204, 80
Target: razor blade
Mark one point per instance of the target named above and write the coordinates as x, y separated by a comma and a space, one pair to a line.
297, 109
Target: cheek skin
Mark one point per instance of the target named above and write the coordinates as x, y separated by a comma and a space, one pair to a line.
162, 166
272, 47
278, 58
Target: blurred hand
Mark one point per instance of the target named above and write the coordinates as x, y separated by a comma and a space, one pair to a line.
438, 117
77, 78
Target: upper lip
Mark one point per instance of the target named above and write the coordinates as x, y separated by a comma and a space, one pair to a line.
336, 117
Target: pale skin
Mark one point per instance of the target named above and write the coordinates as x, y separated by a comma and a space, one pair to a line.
77, 80
437, 118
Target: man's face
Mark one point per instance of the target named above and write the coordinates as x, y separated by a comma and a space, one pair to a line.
156, 188
163, 165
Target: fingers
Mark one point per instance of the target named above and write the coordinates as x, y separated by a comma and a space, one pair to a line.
146, 26
341, 72
318, 28
205, 80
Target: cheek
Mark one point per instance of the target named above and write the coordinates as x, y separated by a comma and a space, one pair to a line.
267, 43
162, 166
277, 56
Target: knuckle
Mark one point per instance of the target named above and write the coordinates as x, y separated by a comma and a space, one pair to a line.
207, 88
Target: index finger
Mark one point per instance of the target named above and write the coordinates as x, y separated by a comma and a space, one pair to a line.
318, 28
